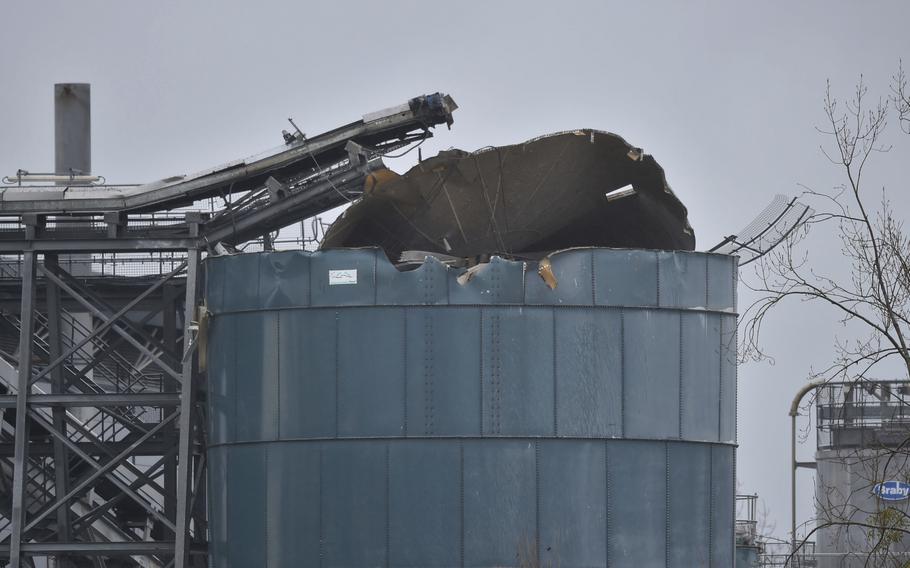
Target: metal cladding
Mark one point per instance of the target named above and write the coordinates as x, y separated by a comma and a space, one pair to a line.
577, 188
362, 416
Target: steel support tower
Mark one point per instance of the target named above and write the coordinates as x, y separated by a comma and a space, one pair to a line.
102, 336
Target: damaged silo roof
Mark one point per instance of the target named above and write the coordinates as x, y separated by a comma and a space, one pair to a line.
578, 188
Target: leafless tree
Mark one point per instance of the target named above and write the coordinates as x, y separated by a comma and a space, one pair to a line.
870, 293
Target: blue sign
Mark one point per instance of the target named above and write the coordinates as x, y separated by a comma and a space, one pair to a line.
892, 490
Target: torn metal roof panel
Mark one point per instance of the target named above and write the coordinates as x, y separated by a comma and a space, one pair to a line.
578, 188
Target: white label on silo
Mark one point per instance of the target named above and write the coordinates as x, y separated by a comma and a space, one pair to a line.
342, 277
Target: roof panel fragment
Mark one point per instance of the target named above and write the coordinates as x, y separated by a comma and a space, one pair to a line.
570, 189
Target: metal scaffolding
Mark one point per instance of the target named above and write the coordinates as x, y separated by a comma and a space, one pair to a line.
103, 425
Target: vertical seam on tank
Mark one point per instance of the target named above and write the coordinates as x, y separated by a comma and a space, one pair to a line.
226, 452
405, 357
593, 281
524, 282
555, 378
735, 346
461, 499
321, 523
607, 505
388, 503
309, 277
667, 504
495, 374
278, 370
236, 398
707, 283
481, 374
732, 480
268, 517
711, 506
622, 372
497, 353
537, 499
337, 370
720, 378
428, 386
375, 277
682, 405
657, 272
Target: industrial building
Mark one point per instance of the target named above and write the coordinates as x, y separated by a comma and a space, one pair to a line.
510, 357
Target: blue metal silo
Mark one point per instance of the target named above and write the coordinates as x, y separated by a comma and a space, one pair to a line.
362, 416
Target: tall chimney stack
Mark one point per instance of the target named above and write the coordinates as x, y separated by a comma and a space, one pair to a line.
72, 128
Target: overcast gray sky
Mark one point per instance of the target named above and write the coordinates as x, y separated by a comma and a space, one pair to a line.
725, 95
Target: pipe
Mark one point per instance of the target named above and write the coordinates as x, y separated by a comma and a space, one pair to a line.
794, 412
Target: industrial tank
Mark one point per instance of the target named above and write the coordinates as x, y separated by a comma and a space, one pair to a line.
366, 416
861, 473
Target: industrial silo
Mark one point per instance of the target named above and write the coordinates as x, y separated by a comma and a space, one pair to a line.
484, 417
862, 492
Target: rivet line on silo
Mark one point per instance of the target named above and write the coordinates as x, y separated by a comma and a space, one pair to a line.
622, 371
461, 498
427, 372
720, 378
609, 502
667, 504
735, 347
707, 283
711, 506
482, 406
375, 279
657, 275
682, 405
278, 360
404, 349
268, 502
388, 503
337, 368
495, 370
537, 498
555, 379
593, 281
321, 520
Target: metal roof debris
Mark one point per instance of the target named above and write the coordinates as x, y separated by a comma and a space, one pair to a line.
569, 189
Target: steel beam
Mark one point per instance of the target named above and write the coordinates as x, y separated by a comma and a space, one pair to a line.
38, 449
114, 479
103, 470
83, 522
140, 548
113, 324
89, 244
99, 400
58, 386
109, 321
184, 461
26, 330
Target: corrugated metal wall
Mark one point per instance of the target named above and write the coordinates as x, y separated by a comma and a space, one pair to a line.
409, 420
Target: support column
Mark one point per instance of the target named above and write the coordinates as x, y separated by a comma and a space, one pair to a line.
169, 337
58, 386
20, 456
184, 460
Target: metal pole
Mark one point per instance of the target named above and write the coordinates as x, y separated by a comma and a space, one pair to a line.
20, 456
58, 386
794, 412
184, 459
169, 337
